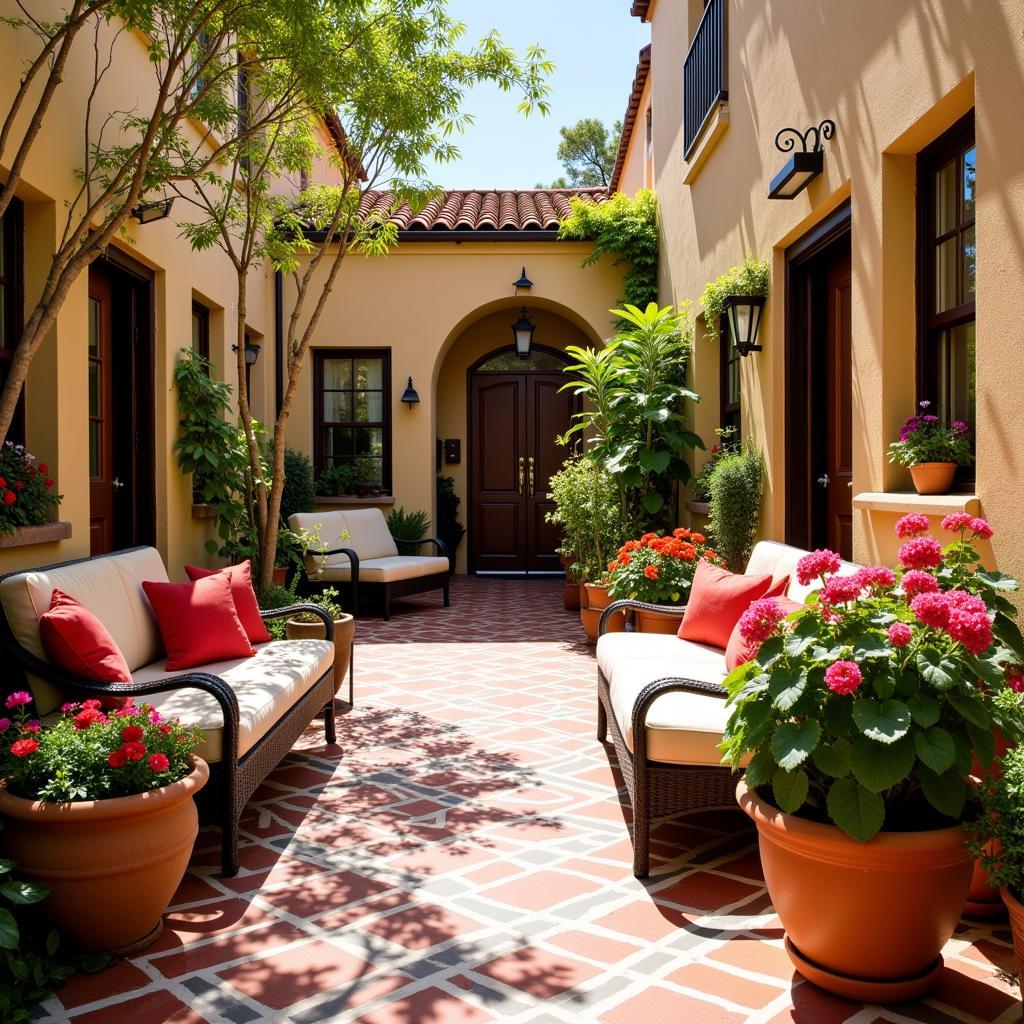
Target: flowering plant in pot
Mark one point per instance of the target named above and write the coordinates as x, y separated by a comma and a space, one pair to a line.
861, 716
99, 787
658, 570
26, 490
931, 450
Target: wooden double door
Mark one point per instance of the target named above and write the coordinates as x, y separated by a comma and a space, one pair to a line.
514, 420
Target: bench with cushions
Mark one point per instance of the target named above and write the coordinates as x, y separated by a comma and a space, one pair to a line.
662, 701
251, 709
354, 548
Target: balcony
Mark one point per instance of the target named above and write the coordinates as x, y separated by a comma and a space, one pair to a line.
705, 76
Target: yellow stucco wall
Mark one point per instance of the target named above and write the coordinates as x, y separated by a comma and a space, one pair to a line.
637, 168
893, 76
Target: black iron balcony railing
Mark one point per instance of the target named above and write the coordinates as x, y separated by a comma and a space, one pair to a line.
704, 74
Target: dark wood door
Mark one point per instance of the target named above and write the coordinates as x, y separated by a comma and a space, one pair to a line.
836, 480
514, 420
103, 480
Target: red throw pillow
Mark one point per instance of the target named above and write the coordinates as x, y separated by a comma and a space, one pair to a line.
717, 600
242, 594
739, 650
198, 621
75, 640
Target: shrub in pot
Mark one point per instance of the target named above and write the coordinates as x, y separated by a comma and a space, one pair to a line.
735, 485
307, 626
931, 450
98, 788
27, 497
862, 715
449, 529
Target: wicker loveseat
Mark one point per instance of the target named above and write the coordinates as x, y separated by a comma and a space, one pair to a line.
251, 710
661, 700
355, 549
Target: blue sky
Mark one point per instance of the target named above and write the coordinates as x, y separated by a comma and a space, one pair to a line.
594, 44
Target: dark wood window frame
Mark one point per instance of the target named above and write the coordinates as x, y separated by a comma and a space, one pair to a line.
203, 314
728, 356
951, 145
13, 282
384, 424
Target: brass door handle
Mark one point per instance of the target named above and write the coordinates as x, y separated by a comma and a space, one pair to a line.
531, 476
521, 474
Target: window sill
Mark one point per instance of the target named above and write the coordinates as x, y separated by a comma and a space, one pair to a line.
699, 508
204, 512
45, 533
356, 500
713, 131
928, 504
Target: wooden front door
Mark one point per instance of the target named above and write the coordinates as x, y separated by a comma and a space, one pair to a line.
514, 420
836, 479
103, 479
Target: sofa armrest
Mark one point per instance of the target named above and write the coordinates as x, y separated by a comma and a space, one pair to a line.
295, 609
658, 688
442, 548
628, 603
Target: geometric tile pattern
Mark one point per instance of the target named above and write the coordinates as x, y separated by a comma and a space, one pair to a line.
462, 855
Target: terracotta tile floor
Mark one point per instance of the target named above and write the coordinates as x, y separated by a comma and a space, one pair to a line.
461, 857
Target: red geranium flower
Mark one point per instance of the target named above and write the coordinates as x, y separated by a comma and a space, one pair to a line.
134, 751
158, 762
10, 498
651, 572
117, 759
131, 734
22, 748
19, 485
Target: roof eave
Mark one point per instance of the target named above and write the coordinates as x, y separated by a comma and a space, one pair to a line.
643, 70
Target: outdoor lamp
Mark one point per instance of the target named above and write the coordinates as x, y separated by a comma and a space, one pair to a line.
743, 315
523, 331
804, 165
523, 282
252, 352
146, 213
409, 395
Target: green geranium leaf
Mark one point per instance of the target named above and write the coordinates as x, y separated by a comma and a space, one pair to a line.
795, 645
882, 720
787, 686
793, 742
946, 792
884, 685
760, 769
770, 649
940, 672
988, 669
24, 892
652, 501
983, 744
790, 789
833, 758
924, 710
998, 580
52, 941
1008, 632
8, 930
871, 645
837, 718
908, 683
972, 709
935, 748
879, 766
856, 810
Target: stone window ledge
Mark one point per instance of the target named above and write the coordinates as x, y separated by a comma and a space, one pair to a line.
928, 504
356, 500
46, 533
712, 132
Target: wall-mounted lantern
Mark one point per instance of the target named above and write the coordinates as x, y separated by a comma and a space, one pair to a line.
410, 396
146, 213
524, 282
805, 164
743, 315
522, 329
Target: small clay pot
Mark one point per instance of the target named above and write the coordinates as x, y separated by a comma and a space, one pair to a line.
597, 600
1016, 926
657, 622
933, 477
571, 596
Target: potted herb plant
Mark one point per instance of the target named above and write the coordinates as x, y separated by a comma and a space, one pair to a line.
862, 716
98, 807
931, 450
307, 626
658, 570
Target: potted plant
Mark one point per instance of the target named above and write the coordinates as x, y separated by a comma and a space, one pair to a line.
931, 450
98, 807
862, 716
27, 498
658, 570
736, 487
306, 626
408, 527
751, 278
449, 529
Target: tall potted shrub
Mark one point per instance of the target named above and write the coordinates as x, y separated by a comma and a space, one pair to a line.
449, 528
862, 716
735, 486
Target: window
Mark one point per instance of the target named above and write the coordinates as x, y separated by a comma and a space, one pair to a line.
946, 270
352, 401
200, 330
649, 147
729, 387
11, 299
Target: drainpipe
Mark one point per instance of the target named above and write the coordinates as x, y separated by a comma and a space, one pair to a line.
278, 341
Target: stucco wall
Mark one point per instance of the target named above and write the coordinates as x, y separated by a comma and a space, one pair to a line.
637, 169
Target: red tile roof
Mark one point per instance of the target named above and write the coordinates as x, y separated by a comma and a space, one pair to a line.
640, 8
643, 69
498, 210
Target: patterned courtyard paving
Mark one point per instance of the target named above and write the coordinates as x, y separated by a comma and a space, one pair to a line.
462, 855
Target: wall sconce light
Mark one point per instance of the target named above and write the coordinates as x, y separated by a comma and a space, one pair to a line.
523, 282
146, 213
522, 330
804, 165
252, 352
743, 315
409, 395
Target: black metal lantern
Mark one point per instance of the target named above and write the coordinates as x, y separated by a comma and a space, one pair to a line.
804, 165
146, 213
743, 316
252, 353
524, 282
522, 329
410, 396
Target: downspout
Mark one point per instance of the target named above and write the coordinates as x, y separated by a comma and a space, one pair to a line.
278, 342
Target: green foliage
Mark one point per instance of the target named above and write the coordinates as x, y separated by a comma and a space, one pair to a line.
726, 445
735, 487
658, 569
864, 709
627, 230
345, 477
634, 417
299, 494
449, 528
997, 836
587, 151
328, 598
751, 277
925, 438
26, 490
411, 526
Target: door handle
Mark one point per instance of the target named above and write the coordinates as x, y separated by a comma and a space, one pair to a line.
117, 484
531, 475
823, 480
521, 474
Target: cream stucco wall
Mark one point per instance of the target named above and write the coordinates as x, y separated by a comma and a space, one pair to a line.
893, 76
637, 167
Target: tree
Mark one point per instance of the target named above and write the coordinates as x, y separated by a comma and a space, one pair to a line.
394, 73
587, 152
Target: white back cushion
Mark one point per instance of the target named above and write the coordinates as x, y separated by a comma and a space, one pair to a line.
332, 532
370, 537
780, 560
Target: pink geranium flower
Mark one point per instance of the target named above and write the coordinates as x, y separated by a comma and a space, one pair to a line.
920, 553
16, 700
918, 582
841, 590
931, 609
957, 521
876, 576
817, 564
972, 629
900, 634
912, 525
843, 677
981, 528
760, 620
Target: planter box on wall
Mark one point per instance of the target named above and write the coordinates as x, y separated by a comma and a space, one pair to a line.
45, 533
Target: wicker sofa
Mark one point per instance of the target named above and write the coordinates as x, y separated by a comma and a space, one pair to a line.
355, 549
661, 700
251, 710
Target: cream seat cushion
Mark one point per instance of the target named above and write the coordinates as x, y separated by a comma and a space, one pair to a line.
682, 728
266, 685
387, 570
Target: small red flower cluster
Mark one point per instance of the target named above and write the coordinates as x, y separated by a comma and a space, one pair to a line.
658, 568
760, 620
817, 565
843, 677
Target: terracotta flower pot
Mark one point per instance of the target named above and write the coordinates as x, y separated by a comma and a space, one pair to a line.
584, 596
590, 614
932, 477
112, 865
983, 898
1016, 926
657, 622
571, 596
280, 576
344, 634
866, 921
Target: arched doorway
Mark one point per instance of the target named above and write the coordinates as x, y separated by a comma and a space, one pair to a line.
516, 410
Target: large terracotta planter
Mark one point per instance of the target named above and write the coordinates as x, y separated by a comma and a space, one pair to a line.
112, 865
657, 622
590, 614
1016, 927
984, 900
866, 921
571, 596
344, 634
932, 477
